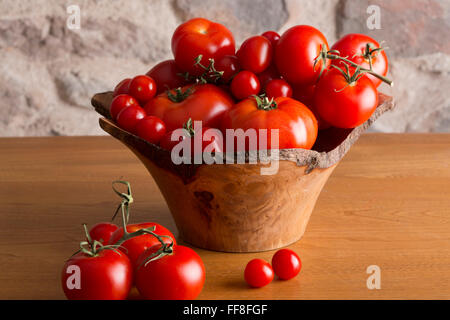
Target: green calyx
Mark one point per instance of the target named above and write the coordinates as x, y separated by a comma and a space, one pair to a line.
92, 248
264, 103
189, 127
178, 95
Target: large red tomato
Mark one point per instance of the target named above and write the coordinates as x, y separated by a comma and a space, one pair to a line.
305, 94
200, 37
167, 76
206, 103
359, 49
296, 123
295, 53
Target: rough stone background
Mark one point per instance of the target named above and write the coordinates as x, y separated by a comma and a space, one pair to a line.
48, 73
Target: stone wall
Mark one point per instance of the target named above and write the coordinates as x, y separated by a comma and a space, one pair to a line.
48, 73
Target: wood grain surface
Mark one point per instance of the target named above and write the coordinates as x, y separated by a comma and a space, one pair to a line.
387, 203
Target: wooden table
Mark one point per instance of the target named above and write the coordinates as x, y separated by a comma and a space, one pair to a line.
386, 204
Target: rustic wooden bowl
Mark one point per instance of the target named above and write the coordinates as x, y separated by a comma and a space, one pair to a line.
232, 207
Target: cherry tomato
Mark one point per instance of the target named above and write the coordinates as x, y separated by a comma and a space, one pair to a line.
272, 36
167, 76
135, 246
102, 231
122, 87
345, 105
151, 129
229, 65
106, 276
176, 276
199, 36
121, 102
286, 264
168, 144
129, 117
269, 74
245, 84
255, 54
305, 94
206, 103
295, 54
278, 88
143, 88
258, 273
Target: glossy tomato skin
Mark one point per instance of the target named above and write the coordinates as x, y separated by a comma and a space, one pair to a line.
353, 47
269, 74
245, 84
129, 117
135, 246
296, 123
151, 129
295, 53
230, 67
199, 36
278, 88
258, 273
305, 94
122, 87
142, 88
167, 76
102, 231
255, 54
343, 105
121, 102
206, 103
107, 276
272, 36
286, 264
178, 276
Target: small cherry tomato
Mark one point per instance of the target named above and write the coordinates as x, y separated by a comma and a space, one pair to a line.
151, 129
286, 264
122, 87
102, 231
258, 273
278, 88
269, 74
272, 36
167, 75
255, 54
229, 65
245, 84
143, 88
129, 117
121, 102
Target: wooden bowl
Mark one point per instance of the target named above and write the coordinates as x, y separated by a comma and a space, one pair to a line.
232, 207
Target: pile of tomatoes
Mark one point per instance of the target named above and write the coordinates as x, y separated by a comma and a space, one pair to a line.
294, 83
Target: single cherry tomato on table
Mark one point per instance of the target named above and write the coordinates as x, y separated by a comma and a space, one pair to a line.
129, 117
121, 102
122, 87
305, 94
143, 88
151, 129
167, 75
278, 88
272, 36
255, 54
286, 264
102, 231
258, 273
245, 84
230, 67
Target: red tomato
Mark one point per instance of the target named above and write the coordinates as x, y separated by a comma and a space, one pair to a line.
245, 84
286, 264
354, 47
295, 54
122, 87
255, 54
143, 88
176, 276
168, 144
200, 37
106, 276
345, 105
258, 273
121, 102
151, 129
206, 103
135, 246
229, 65
296, 123
278, 88
167, 76
305, 94
272, 36
269, 74
129, 117
102, 231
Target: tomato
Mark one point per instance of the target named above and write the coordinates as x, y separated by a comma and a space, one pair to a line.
102, 231
167, 76
286, 264
119, 103
258, 273
245, 84
179, 275
129, 117
255, 54
199, 36
143, 88
135, 246
272, 36
278, 88
229, 65
269, 74
344, 104
168, 144
358, 48
305, 94
206, 103
296, 123
151, 129
295, 54
122, 87
108, 275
